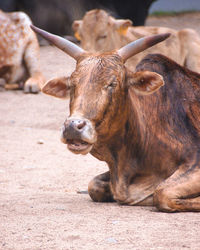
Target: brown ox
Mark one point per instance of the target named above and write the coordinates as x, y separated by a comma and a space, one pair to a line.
150, 140
19, 52
109, 33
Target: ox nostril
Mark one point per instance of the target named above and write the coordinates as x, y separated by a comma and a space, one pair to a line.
73, 126
81, 124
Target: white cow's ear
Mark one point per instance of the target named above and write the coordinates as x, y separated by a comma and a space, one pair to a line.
75, 27
122, 25
57, 87
144, 82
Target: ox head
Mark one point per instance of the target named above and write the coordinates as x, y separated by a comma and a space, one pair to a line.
107, 32
98, 89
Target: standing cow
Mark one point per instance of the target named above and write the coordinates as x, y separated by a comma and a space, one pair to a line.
150, 139
19, 53
109, 33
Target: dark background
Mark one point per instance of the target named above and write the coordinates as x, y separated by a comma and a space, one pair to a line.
56, 16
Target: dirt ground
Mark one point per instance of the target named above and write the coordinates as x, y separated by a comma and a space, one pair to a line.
40, 207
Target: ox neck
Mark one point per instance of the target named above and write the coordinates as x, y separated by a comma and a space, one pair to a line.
126, 139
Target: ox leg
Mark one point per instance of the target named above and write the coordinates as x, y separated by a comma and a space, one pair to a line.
99, 188
31, 58
180, 192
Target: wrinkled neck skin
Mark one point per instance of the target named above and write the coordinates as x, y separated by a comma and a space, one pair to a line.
123, 149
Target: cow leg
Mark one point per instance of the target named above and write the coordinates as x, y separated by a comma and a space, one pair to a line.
99, 188
31, 57
180, 192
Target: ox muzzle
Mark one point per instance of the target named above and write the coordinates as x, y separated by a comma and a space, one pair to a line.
79, 135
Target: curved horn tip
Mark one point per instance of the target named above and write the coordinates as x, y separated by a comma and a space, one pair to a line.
154, 39
65, 45
141, 44
34, 28
165, 35
39, 31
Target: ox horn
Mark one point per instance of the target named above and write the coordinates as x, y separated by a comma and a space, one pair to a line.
68, 47
141, 44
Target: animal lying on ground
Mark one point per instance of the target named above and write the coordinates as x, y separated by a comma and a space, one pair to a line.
19, 53
147, 133
109, 33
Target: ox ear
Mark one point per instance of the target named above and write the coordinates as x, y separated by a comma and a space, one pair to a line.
57, 87
145, 82
122, 26
75, 26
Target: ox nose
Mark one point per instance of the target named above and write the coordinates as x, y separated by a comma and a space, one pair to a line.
78, 129
76, 124
73, 128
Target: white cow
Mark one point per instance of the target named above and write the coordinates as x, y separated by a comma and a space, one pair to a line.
19, 53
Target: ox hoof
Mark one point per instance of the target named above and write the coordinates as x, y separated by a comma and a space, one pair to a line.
99, 192
34, 89
162, 201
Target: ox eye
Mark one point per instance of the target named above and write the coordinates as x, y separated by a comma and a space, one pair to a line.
111, 85
102, 37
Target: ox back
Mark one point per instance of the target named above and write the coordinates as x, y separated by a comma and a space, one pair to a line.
170, 146
174, 110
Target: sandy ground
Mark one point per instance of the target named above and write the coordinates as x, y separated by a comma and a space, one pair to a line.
40, 207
